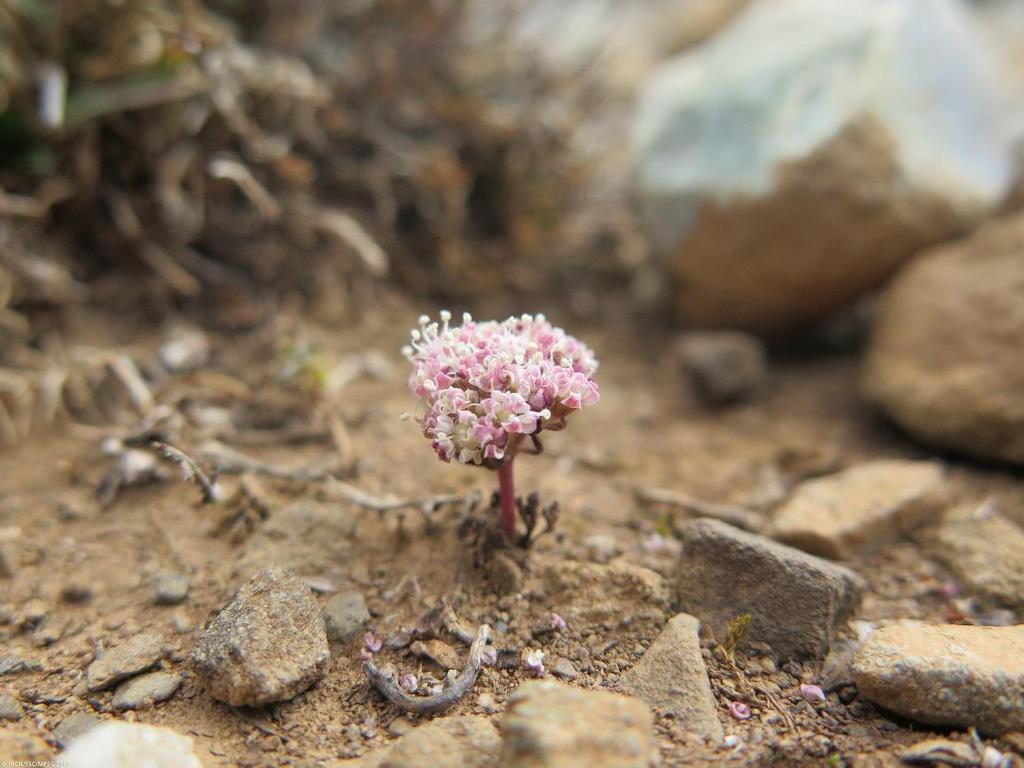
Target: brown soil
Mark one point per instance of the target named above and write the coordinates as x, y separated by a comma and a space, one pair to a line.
647, 431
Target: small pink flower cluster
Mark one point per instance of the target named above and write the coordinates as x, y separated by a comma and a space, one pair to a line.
486, 385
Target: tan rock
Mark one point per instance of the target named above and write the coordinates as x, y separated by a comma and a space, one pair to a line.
859, 508
552, 725
439, 652
269, 643
946, 675
944, 360
985, 552
470, 741
671, 677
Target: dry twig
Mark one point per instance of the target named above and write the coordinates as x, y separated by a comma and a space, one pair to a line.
361, 498
231, 462
387, 685
190, 470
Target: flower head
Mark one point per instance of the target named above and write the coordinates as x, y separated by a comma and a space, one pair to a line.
487, 385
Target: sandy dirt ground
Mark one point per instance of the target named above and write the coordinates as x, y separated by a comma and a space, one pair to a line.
82, 570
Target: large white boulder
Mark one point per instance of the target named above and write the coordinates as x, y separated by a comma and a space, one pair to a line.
795, 160
117, 744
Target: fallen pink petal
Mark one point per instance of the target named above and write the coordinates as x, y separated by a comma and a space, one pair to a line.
372, 642
812, 693
408, 682
739, 710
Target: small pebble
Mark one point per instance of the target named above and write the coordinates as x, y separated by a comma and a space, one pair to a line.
73, 726
400, 726
486, 702
76, 594
345, 615
564, 669
13, 664
10, 708
113, 665
146, 690
438, 652
169, 587
182, 623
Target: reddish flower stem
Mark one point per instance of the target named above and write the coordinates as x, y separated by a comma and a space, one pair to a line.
507, 492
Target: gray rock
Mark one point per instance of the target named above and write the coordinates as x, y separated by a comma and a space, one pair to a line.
73, 726
10, 708
564, 668
671, 677
860, 508
724, 366
146, 690
129, 658
944, 357
268, 644
345, 615
469, 741
11, 665
169, 587
946, 675
986, 552
551, 724
781, 176
796, 601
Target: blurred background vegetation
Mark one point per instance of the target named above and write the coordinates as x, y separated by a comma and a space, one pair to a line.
762, 165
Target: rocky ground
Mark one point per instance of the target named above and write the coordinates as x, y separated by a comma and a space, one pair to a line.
782, 581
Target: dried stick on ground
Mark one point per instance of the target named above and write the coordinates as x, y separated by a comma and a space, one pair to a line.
190, 470
388, 503
387, 685
231, 462
738, 516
